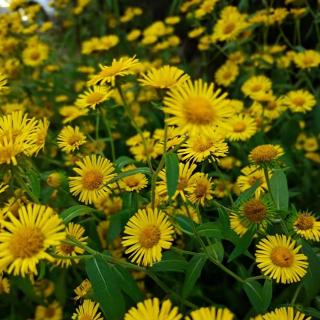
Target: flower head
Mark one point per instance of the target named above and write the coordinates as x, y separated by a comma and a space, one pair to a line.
94, 96
265, 153
88, 310
70, 139
306, 225
211, 313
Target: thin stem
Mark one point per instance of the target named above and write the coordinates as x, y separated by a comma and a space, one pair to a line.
296, 294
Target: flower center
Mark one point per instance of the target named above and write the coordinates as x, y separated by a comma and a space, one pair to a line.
132, 182
282, 257
298, 101
255, 210
92, 180
200, 190
182, 183
74, 140
50, 312
202, 146
256, 87
227, 75
35, 55
94, 97
304, 222
229, 27
252, 180
149, 237
264, 153
239, 126
66, 249
271, 105
199, 110
26, 242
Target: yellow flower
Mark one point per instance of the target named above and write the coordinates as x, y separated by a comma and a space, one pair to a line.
307, 226
238, 225
70, 139
200, 190
87, 311
164, 77
299, 101
71, 113
82, 289
76, 232
195, 107
277, 256
52, 312
265, 153
4, 285
108, 205
153, 309
93, 173
119, 68
307, 59
135, 182
211, 313
285, 313
133, 35
257, 87
25, 239
185, 178
230, 24
200, 147
94, 96
226, 74
250, 175
196, 32
146, 234
35, 54
206, 7
240, 128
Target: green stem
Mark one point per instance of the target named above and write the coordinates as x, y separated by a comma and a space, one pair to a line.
296, 294
108, 128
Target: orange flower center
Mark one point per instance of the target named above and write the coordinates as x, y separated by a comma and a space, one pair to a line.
50, 312
26, 242
282, 257
74, 140
94, 98
255, 210
264, 153
199, 111
66, 249
304, 222
298, 101
271, 105
256, 87
149, 237
229, 27
201, 189
132, 182
182, 183
239, 126
92, 179
35, 55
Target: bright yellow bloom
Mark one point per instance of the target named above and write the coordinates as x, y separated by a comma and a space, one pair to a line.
307, 59
299, 101
227, 74
135, 182
4, 285
25, 239
71, 113
153, 309
70, 139
119, 68
94, 96
82, 289
284, 314
307, 226
257, 87
52, 312
146, 234
265, 153
75, 231
206, 7
93, 174
164, 77
240, 128
277, 257
35, 54
200, 190
196, 108
211, 313
87, 311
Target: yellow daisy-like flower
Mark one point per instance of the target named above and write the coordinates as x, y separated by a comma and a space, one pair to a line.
70, 139
185, 174
257, 87
240, 128
35, 54
230, 24
75, 231
211, 313
93, 173
87, 311
286, 314
164, 77
146, 234
196, 107
265, 154
307, 226
200, 190
94, 96
39, 136
119, 68
71, 113
200, 147
250, 175
277, 257
4, 285
82, 289
52, 312
226, 74
25, 239
153, 309
307, 59
135, 182
299, 101
238, 225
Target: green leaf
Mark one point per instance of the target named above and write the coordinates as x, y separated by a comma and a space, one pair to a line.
267, 294
210, 230
25, 285
310, 312
106, 288
75, 211
123, 161
184, 224
172, 172
170, 262
246, 195
128, 284
217, 250
279, 189
311, 280
34, 180
117, 222
254, 292
143, 170
243, 244
192, 274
